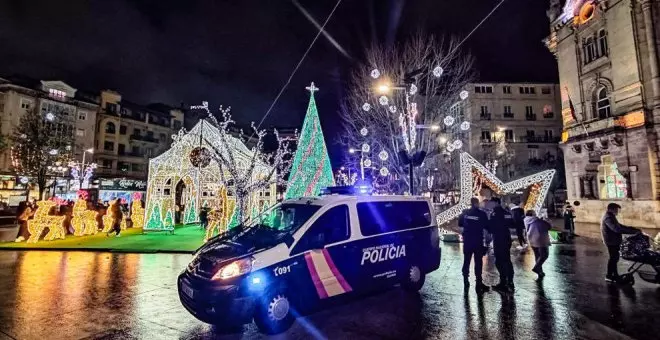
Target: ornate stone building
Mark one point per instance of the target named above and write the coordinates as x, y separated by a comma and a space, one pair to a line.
607, 53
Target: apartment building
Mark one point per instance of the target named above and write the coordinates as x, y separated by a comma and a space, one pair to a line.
516, 124
128, 135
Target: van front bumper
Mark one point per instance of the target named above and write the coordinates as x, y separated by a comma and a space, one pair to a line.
215, 304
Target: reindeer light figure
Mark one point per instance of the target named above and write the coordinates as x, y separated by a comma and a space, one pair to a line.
42, 220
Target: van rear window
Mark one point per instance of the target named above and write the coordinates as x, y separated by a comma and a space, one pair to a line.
382, 217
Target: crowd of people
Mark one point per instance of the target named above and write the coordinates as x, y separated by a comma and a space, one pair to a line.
27, 209
490, 223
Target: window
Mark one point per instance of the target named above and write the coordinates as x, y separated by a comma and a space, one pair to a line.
163, 137
527, 90
122, 129
332, 227
506, 89
547, 111
533, 153
150, 134
26, 104
136, 151
548, 135
383, 217
508, 135
611, 184
483, 89
531, 133
150, 152
82, 115
137, 132
111, 108
545, 90
2, 102
108, 146
110, 127
529, 113
177, 125
603, 108
485, 136
485, 115
137, 167
507, 111
602, 43
80, 133
56, 93
123, 166
106, 163
589, 50
121, 149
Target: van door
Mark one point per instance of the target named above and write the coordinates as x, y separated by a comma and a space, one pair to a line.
327, 255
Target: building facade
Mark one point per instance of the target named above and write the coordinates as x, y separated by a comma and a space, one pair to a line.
128, 135
610, 81
516, 124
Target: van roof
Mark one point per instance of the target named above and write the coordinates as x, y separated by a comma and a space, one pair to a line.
333, 199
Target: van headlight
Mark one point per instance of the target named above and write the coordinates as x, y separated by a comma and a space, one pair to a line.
233, 269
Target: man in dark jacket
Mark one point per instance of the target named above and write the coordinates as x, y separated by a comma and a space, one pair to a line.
612, 230
519, 222
500, 223
473, 221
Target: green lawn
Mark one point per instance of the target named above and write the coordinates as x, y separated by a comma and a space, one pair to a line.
185, 239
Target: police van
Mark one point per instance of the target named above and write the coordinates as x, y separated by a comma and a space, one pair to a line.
304, 253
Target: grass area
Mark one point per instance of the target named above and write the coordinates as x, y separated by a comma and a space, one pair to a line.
185, 239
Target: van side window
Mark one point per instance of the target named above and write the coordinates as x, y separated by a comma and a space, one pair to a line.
331, 227
382, 217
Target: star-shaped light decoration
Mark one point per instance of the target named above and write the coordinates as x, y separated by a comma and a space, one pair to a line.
539, 183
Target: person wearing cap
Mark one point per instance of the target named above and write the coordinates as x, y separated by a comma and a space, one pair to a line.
611, 231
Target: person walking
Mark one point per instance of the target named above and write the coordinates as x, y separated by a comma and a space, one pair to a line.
501, 221
203, 218
519, 223
538, 237
611, 231
473, 221
569, 220
117, 216
23, 214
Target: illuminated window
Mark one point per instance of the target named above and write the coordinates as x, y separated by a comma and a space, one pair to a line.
611, 184
57, 93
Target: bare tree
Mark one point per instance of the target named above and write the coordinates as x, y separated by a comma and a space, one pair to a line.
425, 74
38, 143
245, 174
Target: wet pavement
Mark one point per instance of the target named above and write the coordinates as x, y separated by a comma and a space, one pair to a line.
85, 295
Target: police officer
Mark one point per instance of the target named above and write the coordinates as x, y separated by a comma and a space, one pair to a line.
473, 221
500, 222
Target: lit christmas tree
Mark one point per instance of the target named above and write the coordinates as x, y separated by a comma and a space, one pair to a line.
190, 215
169, 219
311, 170
155, 221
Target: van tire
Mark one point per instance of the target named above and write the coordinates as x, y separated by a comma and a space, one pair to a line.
273, 314
413, 279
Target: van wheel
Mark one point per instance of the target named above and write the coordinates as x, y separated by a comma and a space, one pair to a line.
413, 279
273, 312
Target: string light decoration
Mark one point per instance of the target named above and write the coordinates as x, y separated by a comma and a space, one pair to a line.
84, 220
366, 106
137, 211
219, 216
375, 73
43, 220
470, 169
311, 170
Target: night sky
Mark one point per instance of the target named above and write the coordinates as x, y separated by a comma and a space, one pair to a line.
240, 52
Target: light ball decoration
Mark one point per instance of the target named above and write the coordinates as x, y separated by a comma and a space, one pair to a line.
383, 100
375, 73
464, 95
458, 144
392, 108
367, 162
383, 155
366, 147
449, 120
438, 71
384, 172
465, 126
413, 89
366, 107
52, 152
50, 116
364, 131
450, 148
200, 157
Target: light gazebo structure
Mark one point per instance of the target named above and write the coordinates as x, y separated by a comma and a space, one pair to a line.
187, 175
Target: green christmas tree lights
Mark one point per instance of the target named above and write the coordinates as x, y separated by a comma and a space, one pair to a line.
190, 215
155, 220
311, 170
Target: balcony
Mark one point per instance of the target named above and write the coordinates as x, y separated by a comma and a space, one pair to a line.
132, 154
539, 139
147, 139
548, 115
484, 116
530, 116
486, 141
507, 115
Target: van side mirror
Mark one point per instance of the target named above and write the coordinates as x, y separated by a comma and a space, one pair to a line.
288, 240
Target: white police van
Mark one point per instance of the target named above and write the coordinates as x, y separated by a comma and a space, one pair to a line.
307, 252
